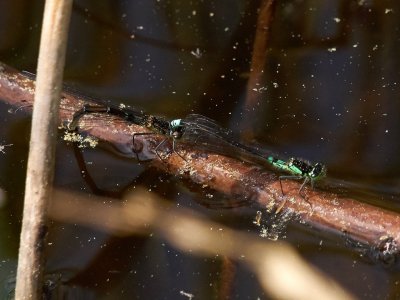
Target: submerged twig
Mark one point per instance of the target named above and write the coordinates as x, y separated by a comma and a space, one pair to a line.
255, 92
328, 211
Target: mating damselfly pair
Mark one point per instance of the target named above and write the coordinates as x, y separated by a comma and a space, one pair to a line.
205, 133
202, 132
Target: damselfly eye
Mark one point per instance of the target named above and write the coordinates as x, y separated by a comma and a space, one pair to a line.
317, 170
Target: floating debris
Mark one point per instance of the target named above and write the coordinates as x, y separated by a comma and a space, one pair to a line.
3, 146
188, 295
257, 219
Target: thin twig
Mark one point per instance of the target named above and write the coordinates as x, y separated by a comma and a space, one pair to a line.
321, 210
42, 145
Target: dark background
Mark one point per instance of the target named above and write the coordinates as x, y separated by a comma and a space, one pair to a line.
330, 95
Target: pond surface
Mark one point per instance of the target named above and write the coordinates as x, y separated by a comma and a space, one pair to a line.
329, 94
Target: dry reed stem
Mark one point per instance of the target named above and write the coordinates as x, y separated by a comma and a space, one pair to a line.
42, 147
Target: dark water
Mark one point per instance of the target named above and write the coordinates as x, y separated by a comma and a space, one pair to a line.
330, 95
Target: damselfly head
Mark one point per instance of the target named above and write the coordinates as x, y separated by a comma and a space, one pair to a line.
176, 128
318, 170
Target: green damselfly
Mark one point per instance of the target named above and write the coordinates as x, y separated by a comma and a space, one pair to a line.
298, 169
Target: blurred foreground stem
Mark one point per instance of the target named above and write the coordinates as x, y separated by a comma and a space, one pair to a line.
42, 148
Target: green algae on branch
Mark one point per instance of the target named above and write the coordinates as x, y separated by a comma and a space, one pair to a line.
82, 141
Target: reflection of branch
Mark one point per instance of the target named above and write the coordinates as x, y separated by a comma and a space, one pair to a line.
233, 178
260, 50
131, 35
279, 269
254, 96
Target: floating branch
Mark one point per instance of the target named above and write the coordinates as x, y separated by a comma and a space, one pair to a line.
375, 227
